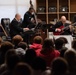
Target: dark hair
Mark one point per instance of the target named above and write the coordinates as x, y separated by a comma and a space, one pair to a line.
31, 8
70, 55
59, 66
29, 56
22, 45
5, 46
74, 44
22, 69
39, 64
48, 44
59, 43
11, 59
64, 39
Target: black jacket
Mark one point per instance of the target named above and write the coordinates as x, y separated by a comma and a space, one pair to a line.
15, 28
27, 20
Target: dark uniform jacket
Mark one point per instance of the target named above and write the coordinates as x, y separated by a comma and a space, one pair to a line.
15, 28
27, 20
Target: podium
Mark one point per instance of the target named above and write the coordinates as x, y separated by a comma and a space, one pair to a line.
68, 37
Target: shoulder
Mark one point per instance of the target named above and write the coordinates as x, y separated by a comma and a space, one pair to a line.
57, 52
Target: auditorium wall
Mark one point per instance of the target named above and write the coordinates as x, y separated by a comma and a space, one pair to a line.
8, 8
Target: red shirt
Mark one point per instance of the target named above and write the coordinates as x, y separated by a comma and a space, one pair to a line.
36, 47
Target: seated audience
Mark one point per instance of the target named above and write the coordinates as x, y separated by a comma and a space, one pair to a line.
16, 40
48, 52
22, 45
60, 45
30, 56
5, 46
37, 43
59, 67
22, 69
39, 66
70, 56
11, 59
74, 44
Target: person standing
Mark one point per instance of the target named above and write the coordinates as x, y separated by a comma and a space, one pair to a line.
29, 19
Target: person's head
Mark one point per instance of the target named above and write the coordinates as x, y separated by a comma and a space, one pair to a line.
59, 43
59, 66
22, 69
74, 44
29, 56
70, 55
39, 64
31, 10
17, 39
38, 39
11, 59
22, 45
63, 19
48, 44
64, 39
18, 16
5, 46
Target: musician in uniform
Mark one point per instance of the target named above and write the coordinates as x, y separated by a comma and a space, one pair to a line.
15, 26
62, 24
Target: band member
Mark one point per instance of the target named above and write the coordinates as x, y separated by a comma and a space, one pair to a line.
29, 19
15, 26
62, 27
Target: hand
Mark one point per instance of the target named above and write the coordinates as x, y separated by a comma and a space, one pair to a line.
71, 27
58, 30
25, 29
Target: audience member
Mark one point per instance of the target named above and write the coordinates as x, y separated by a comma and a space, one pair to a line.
48, 52
5, 46
37, 44
39, 66
22, 69
16, 40
70, 56
22, 45
74, 44
11, 59
59, 67
30, 56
